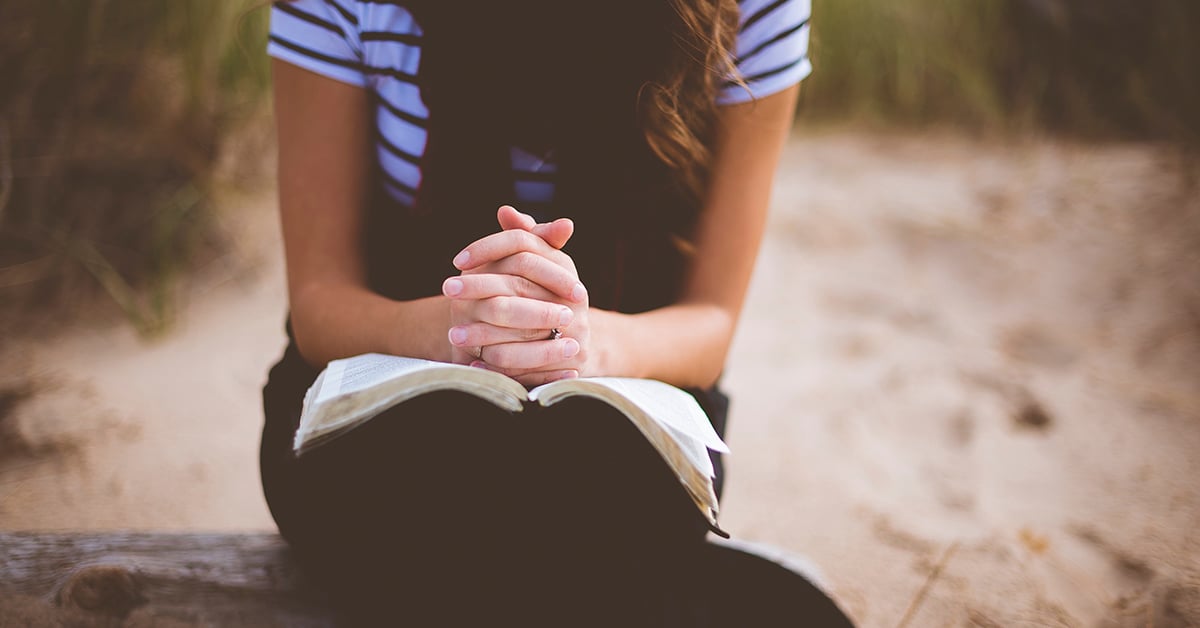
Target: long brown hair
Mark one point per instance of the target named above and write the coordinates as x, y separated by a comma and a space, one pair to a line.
677, 111
624, 91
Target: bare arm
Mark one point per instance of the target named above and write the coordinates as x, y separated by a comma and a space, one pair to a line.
683, 344
686, 344
324, 160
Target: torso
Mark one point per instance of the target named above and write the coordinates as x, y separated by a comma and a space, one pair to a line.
385, 40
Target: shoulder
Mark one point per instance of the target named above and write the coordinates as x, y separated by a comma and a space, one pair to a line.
757, 12
346, 40
771, 52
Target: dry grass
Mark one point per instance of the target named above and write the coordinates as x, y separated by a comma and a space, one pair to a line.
1092, 68
112, 121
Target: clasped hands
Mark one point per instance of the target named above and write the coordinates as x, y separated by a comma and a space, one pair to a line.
516, 286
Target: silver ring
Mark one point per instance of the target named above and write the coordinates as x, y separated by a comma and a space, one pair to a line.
555, 334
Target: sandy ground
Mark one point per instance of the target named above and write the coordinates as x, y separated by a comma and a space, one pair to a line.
966, 385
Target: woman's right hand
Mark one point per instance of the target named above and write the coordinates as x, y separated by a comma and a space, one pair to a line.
518, 299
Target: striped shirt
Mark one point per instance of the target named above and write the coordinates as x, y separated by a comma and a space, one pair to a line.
377, 46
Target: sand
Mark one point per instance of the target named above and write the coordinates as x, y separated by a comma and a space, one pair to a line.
966, 386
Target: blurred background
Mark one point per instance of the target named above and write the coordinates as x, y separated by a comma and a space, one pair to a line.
975, 397
119, 119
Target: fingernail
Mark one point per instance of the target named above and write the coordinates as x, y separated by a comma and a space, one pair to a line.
564, 317
570, 348
453, 286
479, 365
461, 259
458, 335
571, 375
579, 294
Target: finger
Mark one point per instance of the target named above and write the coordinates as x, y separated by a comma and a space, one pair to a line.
496, 284
498, 246
530, 380
482, 334
465, 355
555, 233
515, 356
520, 312
510, 218
533, 269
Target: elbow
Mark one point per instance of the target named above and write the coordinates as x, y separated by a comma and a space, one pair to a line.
709, 378
709, 369
304, 326
306, 342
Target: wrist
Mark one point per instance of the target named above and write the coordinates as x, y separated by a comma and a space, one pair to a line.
419, 329
609, 352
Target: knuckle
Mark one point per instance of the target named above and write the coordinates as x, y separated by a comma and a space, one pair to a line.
499, 355
485, 285
498, 286
527, 264
564, 260
501, 308
524, 287
526, 239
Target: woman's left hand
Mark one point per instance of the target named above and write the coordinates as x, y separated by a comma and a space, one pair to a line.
509, 252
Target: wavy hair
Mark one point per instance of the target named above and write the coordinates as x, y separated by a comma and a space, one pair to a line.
678, 110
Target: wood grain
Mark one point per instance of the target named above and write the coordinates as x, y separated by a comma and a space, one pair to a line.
204, 579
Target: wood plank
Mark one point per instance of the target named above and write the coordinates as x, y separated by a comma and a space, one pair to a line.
199, 579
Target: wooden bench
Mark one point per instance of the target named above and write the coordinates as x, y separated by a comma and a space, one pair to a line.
181, 580
154, 579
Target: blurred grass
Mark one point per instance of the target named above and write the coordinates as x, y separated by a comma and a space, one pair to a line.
113, 119
117, 118
1100, 69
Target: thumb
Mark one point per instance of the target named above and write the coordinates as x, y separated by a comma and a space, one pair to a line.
555, 233
510, 218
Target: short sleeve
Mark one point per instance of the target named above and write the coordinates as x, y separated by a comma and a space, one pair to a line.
320, 36
771, 53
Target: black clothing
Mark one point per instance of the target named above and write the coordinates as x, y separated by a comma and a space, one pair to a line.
445, 510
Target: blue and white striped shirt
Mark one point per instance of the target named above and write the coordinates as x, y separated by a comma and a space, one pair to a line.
377, 46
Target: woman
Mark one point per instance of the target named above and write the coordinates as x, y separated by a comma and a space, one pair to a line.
655, 127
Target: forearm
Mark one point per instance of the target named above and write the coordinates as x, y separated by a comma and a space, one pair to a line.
335, 320
684, 345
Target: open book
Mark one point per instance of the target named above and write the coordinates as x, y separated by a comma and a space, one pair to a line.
351, 391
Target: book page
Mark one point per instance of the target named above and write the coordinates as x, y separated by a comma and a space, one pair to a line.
669, 406
364, 371
694, 450
353, 390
